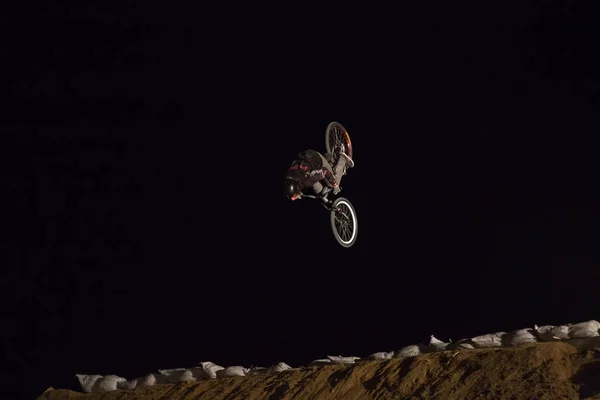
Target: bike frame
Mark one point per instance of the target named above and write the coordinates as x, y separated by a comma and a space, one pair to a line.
325, 201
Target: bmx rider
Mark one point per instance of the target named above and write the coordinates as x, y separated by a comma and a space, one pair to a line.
313, 169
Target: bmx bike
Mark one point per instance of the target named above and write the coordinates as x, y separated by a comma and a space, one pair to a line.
343, 219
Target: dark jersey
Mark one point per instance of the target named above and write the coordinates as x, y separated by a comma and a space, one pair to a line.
310, 167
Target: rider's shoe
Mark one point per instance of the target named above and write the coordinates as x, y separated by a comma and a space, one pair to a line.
349, 161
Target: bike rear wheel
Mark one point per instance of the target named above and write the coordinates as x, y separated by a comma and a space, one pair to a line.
336, 136
344, 222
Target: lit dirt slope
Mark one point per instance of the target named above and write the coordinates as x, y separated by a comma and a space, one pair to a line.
554, 370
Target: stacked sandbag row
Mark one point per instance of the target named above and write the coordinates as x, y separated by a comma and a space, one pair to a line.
583, 330
204, 371
207, 370
546, 333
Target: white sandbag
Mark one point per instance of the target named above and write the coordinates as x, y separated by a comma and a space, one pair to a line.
87, 381
160, 378
192, 374
379, 356
254, 371
436, 345
277, 368
145, 381
561, 332
236, 370
550, 333
587, 329
343, 360
462, 344
518, 337
127, 385
186, 376
107, 383
197, 374
412, 350
172, 375
211, 369
488, 340
320, 362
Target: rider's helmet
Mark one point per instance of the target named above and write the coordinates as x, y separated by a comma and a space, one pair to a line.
292, 187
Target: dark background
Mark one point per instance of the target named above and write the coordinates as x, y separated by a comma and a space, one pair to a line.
144, 148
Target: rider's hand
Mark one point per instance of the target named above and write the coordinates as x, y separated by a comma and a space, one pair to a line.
336, 189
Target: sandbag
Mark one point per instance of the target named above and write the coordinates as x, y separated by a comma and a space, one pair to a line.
172, 375
193, 374
550, 333
436, 345
254, 371
462, 344
107, 383
412, 350
277, 368
379, 356
518, 337
587, 329
320, 362
87, 381
127, 385
148, 380
488, 340
210, 369
236, 370
187, 376
343, 360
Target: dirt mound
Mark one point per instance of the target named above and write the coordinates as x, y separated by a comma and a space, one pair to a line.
536, 371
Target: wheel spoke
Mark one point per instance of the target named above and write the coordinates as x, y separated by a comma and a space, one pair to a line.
342, 229
336, 136
347, 233
344, 224
348, 227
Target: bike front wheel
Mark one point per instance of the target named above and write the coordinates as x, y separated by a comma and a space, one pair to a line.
344, 222
336, 136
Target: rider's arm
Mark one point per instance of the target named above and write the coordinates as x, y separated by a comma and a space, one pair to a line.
326, 175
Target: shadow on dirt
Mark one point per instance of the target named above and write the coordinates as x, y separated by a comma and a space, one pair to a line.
588, 379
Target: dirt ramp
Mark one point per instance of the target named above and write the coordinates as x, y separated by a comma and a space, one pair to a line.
538, 371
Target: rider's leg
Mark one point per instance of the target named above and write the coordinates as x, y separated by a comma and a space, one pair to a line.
344, 162
327, 165
340, 168
321, 189
329, 158
317, 188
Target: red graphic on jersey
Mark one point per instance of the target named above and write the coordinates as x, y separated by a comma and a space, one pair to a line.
299, 166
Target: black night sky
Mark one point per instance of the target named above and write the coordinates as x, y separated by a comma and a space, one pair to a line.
143, 153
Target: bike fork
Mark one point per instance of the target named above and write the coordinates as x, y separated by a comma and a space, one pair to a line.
329, 208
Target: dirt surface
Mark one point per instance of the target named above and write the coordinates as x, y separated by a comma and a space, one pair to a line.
537, 371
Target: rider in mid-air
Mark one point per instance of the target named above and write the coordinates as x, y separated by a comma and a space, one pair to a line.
313, 169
